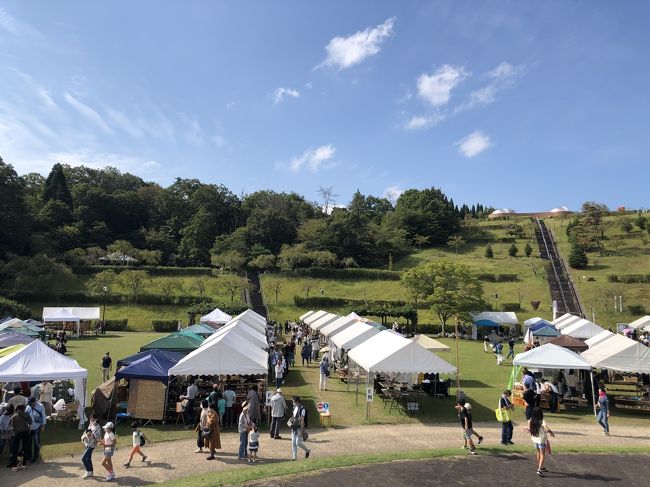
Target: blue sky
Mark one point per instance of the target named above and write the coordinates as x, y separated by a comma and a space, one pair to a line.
525, 105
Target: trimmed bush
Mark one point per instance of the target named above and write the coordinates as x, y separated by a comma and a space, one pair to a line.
352, 273
511, 307
433, 329
165, 325
629, 278
88, 298
497, 277
153, 270
116, 325
636, 309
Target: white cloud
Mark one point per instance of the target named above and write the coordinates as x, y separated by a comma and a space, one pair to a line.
194, 133
436, 88
344, 52
99, 160
41, 92
419, 122
503, 77
120, 120
473, 144
313, 159
281, 93
392, 193
88, 112
8, 22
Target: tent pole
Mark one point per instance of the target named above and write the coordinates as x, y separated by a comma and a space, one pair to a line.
593, 393
367, 402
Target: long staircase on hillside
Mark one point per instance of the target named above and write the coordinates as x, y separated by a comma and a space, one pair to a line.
561, 286
254, 296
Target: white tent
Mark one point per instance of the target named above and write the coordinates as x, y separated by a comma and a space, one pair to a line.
83, 313
228, 354
559, 319
216, 317
389, 352
551, 356
38, 362
430, 344
323, 321
621, 354
498, 317
582, 329
241, 329
570, 320
354, 335
314, 316
62, 315
339, 325
252, 320
642, 323
249, 313
599, 338
306, 315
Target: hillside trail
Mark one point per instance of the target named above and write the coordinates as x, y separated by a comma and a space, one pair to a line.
175, 459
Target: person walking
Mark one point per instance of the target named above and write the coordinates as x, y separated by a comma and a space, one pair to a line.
108, 442
530, 398
37, 412
278, 411
511, 348
298, 428
465, 423
244, 425
254, 399
539, 432
138, 442
107, 366
324, 373
278, 374
90, 438
190, 397
202, 427
230, 396
506, 406
212, 439
305, 352
603, 410
5, 428
20, 424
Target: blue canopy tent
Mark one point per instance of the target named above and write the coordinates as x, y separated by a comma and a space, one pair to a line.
137, 356
486, 323
153, 366
545, 331
9, 338
531, 323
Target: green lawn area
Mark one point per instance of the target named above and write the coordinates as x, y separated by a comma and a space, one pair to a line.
624, 254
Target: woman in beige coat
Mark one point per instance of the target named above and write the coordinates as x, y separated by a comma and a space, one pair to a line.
213, 440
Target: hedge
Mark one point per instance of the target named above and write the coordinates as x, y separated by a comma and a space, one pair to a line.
511, 307
116, 325
154, 270
497, 277
636, 309
629, 278
355, 273
165, 325
326, 302
88, 298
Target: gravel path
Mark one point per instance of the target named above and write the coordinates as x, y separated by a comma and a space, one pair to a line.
175, 459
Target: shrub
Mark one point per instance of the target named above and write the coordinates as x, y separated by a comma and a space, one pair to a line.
431, 329
507, 278
636, 309
165, 325
152, 270
116, 325
14, 309
511, 307
578, 258
351, 273
513, 250
489, 253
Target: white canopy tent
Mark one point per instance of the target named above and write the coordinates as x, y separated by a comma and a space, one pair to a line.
251, 320
339, 325
323, 321
216, 317
389, 352
314, 316
83, 313
582, 329
642, 323
62, 315
227, 354
241, 329
621, 354
354, 335
559, 319
430, 344
551, 356
38, 362
599, 338
567, 322
306, 315
533, 321
249, 313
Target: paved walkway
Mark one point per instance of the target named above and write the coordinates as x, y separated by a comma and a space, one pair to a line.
173, 460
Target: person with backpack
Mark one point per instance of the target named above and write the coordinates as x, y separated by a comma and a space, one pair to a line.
20, 424
37, 412
139, 440
298, 423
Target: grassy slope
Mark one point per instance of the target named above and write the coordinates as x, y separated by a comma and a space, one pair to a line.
630, 258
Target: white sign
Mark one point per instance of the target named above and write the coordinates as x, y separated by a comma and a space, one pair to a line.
370, 392
269, 394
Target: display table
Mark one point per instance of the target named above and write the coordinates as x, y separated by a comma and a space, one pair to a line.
633, 403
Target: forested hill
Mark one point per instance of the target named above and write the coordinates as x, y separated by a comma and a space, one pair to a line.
79, 214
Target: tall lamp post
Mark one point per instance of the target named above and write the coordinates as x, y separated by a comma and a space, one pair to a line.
105, 289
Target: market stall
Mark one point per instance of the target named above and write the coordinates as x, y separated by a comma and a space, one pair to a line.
581, 329
599, 338
354, 335
20, 326
569, 342
565, 320
339, 325
303, 317
314, 316
9, 338
641, 324
323, 321
175, 342
201, 330
242, 330
216, 318
489, 320
64, 317
87, 316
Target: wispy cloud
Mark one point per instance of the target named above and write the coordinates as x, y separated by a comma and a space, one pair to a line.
504, 77
392, 193
436, 88
420, 122
280, 93
8, 22
101, 159
344, 52
314, 159
39, 90
124, 122
88, 112
473, 144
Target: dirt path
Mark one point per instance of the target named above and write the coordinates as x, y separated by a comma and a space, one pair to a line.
173, 460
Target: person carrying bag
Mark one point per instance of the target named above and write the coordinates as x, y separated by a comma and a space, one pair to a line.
504, 417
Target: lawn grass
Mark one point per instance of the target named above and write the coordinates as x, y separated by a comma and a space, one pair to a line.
624, 254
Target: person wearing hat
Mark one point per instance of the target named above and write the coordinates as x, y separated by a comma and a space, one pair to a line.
90, 438
109, 449
278, 410
37, 412
243, 427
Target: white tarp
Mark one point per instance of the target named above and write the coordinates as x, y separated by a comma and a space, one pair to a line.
338, 325
60, 315
252, 319
568, 321
216, 317
430, 344
642, 323
621, 354
601, 337
498, 317
227, 354
582, 329
354, 335
313, 317
551, 356
559, 319
84, 314
306, 315
37, 362
249, 313
241, 329
533, 321
389, 352
323, 321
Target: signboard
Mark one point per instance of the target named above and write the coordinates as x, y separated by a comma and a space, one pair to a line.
370, 393
323, 407
269, 394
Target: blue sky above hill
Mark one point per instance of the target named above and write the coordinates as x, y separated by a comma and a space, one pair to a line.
515, 104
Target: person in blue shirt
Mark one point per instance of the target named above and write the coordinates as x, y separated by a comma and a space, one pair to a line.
603, 414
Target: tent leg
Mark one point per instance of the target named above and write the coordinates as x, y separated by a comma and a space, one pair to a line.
593, 393
367, 402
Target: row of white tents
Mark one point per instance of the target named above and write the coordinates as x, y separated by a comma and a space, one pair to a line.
374, 348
